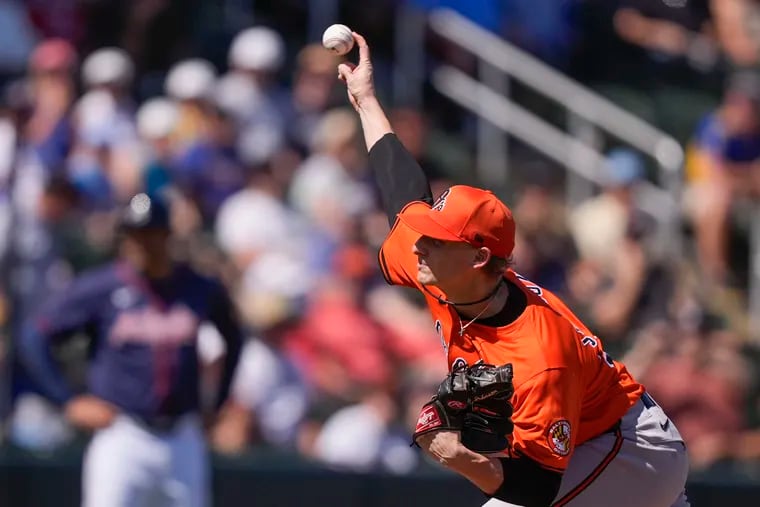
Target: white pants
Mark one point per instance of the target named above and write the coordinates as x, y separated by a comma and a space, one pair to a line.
648, 470
129, 465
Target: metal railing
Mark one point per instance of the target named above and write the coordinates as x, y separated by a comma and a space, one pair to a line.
580, 102
508, 116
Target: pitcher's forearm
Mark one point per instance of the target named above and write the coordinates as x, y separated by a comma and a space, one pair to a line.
375, 123
486, 473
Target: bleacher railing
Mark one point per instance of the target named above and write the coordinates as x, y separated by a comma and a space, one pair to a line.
580, 102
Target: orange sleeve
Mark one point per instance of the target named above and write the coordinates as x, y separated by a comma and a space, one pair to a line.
397, 260
546, 417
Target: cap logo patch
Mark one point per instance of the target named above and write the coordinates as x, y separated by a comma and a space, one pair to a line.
559, 437
440, 203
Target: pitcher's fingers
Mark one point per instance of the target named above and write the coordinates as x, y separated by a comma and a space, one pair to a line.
345, 69
363, 47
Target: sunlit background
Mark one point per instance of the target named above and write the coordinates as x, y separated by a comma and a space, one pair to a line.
624, 134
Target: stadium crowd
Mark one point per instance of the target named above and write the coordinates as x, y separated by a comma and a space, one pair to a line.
251, 139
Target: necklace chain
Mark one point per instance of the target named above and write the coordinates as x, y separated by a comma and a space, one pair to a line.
463, 326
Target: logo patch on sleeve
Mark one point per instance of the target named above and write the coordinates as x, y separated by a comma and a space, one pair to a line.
559, 437
428, 419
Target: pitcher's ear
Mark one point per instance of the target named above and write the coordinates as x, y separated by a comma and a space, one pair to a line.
482, 256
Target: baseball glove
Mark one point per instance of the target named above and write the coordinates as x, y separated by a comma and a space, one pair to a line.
488, 419
446, 409
476, 401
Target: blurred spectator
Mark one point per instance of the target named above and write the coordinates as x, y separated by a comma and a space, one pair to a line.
111, 68
328, 188
656, 58
363, 437
156, 120
668, 32
256, 220
104, 162
620, 280
339, 362
544, 250
736, 30
611, 211
207, 165
242, 100
722, 170
355, 377
258, 54
269, 397
314, 92
258, 51
411, 334
267, 243
47, 131
252, 89
190, 82
701, 379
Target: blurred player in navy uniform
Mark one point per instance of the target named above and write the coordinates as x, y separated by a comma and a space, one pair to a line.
142, 312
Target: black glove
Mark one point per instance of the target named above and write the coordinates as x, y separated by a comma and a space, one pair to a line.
446, 410
487, 382
488, 420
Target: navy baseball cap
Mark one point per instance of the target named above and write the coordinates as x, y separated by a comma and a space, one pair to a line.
143, 212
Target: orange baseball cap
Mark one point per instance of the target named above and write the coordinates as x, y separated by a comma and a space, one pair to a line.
469, 214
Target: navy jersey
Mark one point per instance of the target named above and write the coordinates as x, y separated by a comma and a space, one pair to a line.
144, 350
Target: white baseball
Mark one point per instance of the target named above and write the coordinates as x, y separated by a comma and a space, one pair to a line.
338, 38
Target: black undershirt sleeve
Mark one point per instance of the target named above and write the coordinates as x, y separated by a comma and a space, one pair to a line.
526, 483
399, 177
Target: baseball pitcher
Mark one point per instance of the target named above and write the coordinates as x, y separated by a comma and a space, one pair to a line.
534, 411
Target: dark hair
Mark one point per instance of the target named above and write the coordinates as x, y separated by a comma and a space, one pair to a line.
497, 266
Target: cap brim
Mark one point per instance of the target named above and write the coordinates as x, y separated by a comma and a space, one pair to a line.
424, 224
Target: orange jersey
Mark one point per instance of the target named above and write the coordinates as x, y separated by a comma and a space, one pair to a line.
567, 389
